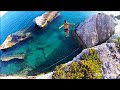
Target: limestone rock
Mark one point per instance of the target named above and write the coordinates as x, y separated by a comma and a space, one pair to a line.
15, 38
109, 57
96, 29
44, 19
10, 57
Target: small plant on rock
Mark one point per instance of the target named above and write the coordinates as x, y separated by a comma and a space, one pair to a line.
117, 42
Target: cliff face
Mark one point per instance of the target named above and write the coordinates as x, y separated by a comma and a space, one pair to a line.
109, 57
96, 29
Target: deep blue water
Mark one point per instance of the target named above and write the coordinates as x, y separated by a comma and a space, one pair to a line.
45, 47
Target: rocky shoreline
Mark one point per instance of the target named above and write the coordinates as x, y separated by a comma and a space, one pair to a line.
108, 53
100, 40
96, 32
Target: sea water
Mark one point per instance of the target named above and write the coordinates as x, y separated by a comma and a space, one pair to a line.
46, 46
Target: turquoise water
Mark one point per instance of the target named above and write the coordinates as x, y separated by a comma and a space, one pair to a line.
45, 47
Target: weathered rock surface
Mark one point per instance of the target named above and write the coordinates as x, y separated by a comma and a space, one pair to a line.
15, 38
116, 34
109, 57
43, 20
96, 29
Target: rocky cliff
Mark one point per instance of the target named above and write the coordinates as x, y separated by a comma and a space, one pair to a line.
96, 29
98, 32
109, 57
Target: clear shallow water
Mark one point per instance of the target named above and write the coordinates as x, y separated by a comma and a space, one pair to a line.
45, 47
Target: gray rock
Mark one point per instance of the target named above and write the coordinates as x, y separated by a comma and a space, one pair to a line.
118, 77
118, 17
108, 56
77, 56
96, 29
110, 64
74, 59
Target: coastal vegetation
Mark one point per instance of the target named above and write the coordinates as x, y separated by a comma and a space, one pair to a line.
117, 42
88, 68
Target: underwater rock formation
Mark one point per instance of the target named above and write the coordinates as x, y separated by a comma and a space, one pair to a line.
15, 38
8, 58
96, 29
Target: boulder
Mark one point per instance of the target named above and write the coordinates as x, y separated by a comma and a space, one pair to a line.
96, 29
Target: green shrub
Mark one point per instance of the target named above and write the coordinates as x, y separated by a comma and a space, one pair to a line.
88, 68
117, 42
59, 74
92, 68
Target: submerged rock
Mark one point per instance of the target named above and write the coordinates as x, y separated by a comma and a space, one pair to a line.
15, 38
96, 29
11, 57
